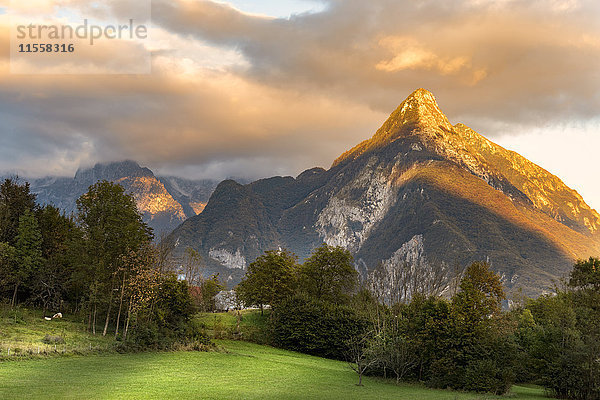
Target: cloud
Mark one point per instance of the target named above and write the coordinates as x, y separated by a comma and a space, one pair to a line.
232, 91
489, 57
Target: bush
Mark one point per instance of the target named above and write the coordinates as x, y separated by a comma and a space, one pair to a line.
565, 345
315, 327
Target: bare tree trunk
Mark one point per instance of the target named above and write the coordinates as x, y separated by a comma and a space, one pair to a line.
128, 317
109, 308
120, 305
14, 298
94, 324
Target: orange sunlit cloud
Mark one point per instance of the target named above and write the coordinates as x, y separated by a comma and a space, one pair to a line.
233, 93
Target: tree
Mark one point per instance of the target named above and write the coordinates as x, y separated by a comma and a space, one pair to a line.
28, 250
566, 339
428, 325
15, 199
560, 350
477, 351
481, 293
393, 348
586, 275
8, 264
359, 354
112, 228
59, 234
328, 274
191, 267
164, 254
270, 279
142, 285
204, 295
397, 281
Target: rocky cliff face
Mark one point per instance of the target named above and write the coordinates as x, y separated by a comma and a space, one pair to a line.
162, 201
420, 190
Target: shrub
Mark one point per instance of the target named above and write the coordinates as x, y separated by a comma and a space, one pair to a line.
315, 327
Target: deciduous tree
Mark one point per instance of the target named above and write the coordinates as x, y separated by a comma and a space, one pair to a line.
112, 227
28, 251
329, 274
270, 279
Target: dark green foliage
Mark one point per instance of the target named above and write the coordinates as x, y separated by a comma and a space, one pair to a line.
525, 337
269, 280
58, 231
19, 233
477, 351
329, 274
52, 282
563, 342
15, 199
111, 223
427, 324
169, 321
174, 304
112, 229
105, 266
315, 327
480, 296
8, 260
465, 344
28, 248
586, 275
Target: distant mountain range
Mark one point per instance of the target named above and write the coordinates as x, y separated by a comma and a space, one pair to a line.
421, 190
165, 202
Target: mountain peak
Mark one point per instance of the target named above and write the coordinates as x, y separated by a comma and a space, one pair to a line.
422, 95
421, 109
418, 111
112, 171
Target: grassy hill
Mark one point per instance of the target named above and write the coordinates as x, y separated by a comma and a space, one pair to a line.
241, 371
25, 332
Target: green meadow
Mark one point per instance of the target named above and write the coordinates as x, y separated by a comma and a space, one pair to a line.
239, 370
23, 331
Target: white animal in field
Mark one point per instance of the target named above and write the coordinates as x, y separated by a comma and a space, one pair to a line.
57, 315
48, 318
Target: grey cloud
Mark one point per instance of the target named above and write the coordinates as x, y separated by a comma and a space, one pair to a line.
313, 85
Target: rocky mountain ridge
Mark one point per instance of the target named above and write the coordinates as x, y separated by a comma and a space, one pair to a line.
165, 202
420, 190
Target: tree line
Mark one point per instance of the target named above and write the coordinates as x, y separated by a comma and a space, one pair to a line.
455, 335
100, 264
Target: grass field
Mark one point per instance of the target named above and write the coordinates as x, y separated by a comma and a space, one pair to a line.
243, 371
22, 331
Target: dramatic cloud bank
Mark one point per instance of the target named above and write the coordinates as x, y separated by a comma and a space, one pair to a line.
242, 94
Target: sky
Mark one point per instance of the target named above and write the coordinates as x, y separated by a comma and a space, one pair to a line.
272, 87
